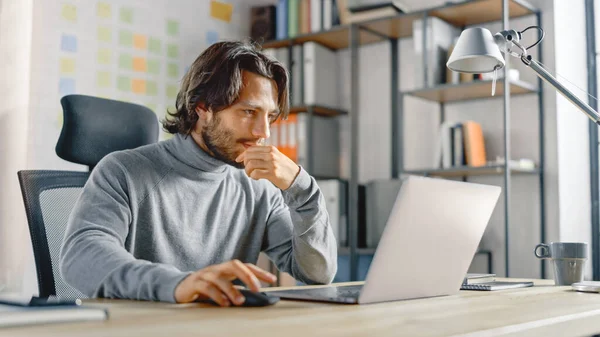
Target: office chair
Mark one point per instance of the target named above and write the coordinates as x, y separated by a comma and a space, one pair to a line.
93, 127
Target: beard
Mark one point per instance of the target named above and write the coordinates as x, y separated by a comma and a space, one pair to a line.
221, 143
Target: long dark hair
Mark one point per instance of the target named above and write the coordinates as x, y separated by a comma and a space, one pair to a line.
215, 80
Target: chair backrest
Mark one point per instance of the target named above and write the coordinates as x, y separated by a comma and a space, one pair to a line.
93, 127
49, 197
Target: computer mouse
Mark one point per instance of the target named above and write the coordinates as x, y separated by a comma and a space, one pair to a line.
257, 299
253, 299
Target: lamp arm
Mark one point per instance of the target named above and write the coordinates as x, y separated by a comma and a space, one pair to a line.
546, 76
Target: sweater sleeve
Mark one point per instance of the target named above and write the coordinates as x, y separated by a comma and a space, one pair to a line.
93, 258
299, 238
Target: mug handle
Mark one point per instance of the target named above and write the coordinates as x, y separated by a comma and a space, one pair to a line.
545, 249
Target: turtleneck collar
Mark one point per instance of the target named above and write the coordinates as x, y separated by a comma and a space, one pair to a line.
185, 149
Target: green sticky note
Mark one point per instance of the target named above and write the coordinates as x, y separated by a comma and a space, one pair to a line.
104, 56
154, 45
126, 15
151, 88
172, 27
171, 91
104, 34
151, 106
153, 66
172, 50
125, 61
125, 38
103, 79
173, 70
124, 83
103, 10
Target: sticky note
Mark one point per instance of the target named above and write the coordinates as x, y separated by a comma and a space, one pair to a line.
124, 83
211, 37
172, 50
67, 65
66, 86
138, 86
103, 79
125, 38
151, 88
154, 45
125, 61
104, 34
154, 66
171, 91
69, 12
220, 10
172, 70
126, 15
68, 43
104, 56
151, 106
139, 64
172, 27
60, 119
140, 41
103, 10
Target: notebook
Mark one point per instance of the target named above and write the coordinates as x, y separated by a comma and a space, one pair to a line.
15, 312
479, 278
496, 285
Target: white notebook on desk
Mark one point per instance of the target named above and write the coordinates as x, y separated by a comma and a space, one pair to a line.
11, 315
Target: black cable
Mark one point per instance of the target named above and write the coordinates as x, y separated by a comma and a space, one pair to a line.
539, 40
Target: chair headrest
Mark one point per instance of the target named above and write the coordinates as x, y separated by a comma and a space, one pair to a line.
94, 127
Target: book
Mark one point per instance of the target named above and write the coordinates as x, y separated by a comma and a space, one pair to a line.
496, 285
14, 315
479, 278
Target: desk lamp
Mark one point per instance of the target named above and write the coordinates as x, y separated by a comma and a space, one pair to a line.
477, 51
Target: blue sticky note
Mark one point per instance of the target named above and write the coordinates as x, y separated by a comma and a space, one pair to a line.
66, 86
68, 43
212, 37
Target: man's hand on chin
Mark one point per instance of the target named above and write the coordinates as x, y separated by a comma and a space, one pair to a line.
266, 162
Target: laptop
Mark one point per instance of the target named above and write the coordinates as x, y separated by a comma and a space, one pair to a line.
426, 248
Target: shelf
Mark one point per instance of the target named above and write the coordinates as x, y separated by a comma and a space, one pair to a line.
480, 11
318, 110
469, 12
470, 90
335, 38
470, 171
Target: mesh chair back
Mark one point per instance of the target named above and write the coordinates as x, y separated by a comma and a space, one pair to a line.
49, 197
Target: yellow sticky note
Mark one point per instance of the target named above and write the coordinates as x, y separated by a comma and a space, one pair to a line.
139, 64
67, 65
138, 86
220, 10
140, 41
103, 10
69, 12
103, 79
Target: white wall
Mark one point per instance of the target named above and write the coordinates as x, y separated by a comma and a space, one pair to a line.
15, 51
31, 55
566, 149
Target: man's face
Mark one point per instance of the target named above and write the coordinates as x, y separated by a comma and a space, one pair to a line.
229, 132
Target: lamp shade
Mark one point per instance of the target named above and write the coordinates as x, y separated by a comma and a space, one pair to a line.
475, 52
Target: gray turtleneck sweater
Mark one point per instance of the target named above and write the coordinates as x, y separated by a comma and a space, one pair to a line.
148, 217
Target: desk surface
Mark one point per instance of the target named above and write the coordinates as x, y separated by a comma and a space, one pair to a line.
543, 310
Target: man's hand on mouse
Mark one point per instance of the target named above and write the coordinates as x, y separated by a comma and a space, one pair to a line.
215, 282
267, 162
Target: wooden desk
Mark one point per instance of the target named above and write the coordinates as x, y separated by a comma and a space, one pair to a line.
543, 310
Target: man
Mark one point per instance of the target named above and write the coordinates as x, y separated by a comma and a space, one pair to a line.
182, 219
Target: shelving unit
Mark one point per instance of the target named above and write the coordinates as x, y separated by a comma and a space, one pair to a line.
400, 26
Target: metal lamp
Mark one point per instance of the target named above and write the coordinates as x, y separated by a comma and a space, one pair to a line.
477, 51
